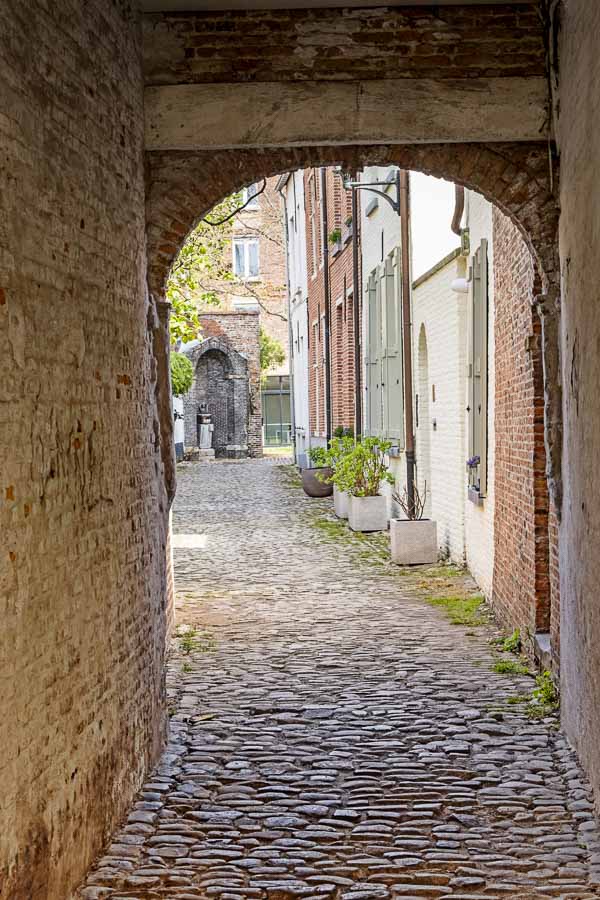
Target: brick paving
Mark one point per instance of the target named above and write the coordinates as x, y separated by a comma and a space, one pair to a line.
332, 735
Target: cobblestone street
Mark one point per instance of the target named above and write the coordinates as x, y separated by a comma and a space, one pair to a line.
333, 735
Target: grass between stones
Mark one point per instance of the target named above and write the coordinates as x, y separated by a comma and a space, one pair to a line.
511, 667
468, 611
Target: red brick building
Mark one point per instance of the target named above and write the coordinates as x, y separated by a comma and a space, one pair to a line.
329, 242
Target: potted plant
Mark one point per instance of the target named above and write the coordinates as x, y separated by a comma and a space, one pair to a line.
339, 447
316, 479
361, 473
413, 540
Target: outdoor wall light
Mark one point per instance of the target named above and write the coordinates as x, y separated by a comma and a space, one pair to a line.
372, 186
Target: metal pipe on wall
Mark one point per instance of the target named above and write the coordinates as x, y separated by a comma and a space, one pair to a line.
356, 295
409, 439
326, 291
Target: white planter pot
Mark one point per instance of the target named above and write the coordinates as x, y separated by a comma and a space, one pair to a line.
340, 503
413, 542
367, 513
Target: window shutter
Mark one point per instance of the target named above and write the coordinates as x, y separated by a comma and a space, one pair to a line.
393, 380
479, 366
373, 356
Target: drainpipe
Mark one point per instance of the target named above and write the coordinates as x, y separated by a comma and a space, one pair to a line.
459, 208
357, 292
407, 337
326, 286
289, 310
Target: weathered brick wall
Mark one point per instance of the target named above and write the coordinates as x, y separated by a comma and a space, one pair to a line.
238, 333
521, 593
261, 45
82, 506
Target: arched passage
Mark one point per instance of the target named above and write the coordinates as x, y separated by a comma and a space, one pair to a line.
183, 185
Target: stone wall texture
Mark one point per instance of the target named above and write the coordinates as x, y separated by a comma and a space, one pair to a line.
522, 585
579, 145
82, 502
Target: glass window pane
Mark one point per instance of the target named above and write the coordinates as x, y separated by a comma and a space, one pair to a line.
238, 258
252, 258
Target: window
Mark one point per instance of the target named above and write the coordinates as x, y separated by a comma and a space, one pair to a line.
249, 198
478, 365
276, 405
384, 376
245, 257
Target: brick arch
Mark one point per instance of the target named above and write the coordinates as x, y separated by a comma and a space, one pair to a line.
235, 361
184, 186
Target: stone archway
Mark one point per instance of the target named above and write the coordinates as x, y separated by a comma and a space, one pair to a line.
516, 176
220, 383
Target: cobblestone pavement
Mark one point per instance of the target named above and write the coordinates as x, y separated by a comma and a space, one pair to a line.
333, 735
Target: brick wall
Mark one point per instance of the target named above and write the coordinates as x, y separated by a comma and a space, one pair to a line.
82, 506
340, 303
235, 336
261, 45
268, 290
521, 593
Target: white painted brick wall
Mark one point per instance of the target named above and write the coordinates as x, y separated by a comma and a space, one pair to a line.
440, 319
293, 191
479, 520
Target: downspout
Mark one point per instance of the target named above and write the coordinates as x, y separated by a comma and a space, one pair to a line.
326, 287
289, 310
407, 337
459, 208
357, 292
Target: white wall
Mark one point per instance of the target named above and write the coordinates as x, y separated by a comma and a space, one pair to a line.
440, 316
479, 520
293, 192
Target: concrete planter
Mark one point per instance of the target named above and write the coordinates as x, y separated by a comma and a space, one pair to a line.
413, 542
340, 503
312, 483
367, 513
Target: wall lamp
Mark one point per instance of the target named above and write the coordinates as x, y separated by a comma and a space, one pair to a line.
372, 186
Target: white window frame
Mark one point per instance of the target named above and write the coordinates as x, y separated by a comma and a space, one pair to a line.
245, 242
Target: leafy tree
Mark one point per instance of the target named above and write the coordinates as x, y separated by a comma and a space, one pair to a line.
272, 353
182, 374
201, 263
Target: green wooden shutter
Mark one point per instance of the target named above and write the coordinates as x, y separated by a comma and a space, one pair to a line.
478, 368
373, 354
393, 404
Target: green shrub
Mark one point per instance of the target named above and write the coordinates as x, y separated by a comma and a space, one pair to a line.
182, 374
362, 471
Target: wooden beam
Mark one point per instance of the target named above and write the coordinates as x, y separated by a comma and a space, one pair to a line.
392, 111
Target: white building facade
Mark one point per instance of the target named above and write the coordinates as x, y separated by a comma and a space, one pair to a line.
291, 188
449, 371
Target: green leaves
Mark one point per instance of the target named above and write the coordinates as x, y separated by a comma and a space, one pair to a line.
182, 374
272, 353
362, 471
203, 262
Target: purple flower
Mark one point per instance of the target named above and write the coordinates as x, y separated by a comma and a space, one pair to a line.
473, 461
